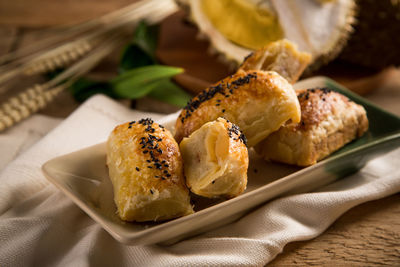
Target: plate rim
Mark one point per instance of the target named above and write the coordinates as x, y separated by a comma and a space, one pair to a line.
138, 236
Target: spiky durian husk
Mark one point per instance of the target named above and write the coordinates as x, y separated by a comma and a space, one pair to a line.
375, 42
331, 52
336, 48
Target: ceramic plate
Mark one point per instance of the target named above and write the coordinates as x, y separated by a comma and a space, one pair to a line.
83, 177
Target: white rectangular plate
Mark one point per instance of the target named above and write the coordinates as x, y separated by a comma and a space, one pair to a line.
83, 176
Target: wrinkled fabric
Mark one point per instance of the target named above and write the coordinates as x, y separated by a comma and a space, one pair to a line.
41, 226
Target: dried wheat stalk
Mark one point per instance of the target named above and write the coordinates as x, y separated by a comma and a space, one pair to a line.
67, 33
26, 103
152, 10
90, 48
39, 96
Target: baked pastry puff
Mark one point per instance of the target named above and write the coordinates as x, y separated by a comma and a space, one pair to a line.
215, 160
258, 102
281, 56
329, 120
145, 168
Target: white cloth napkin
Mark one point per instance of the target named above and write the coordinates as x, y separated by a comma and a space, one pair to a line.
42, 227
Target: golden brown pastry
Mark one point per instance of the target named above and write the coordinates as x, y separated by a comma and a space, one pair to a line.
329, 120
281, 56
258, 102
215, 160
145, 168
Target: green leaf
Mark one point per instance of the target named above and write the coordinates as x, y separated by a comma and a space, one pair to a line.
138, 74
146, 37
169, 92
148, 73
133, 57
135, 83
136, 91
83, 88
142, 49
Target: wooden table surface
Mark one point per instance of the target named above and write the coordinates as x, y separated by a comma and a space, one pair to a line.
367, 235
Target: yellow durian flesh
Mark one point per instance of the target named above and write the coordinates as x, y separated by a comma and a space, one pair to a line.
230, 18
316, 28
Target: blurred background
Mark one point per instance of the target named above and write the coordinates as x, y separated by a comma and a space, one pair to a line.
24, 22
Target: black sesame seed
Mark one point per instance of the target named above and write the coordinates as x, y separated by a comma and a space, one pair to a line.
223, 110
158, 165
151, 191
137, 169
210, 92
234, 130
325, 90
146, 121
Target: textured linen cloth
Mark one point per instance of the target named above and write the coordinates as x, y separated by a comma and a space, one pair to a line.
40, 226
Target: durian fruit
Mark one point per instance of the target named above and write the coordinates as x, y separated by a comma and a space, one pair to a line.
235, 28
375, 42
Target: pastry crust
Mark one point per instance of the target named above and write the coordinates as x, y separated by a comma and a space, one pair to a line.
216, 160
281, 56
258, 102
329, 120
145, 168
